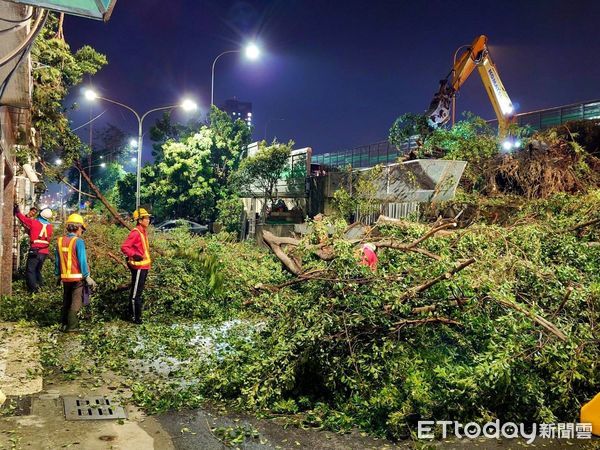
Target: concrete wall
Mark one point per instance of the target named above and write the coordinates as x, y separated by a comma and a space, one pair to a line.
15, 120
7, 194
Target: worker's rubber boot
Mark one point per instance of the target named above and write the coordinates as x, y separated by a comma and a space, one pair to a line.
590, 413
73, 321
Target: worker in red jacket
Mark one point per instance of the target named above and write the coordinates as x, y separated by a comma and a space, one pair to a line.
40, 233
137, 251
369, 256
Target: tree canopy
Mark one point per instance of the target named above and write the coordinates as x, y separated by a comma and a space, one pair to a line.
57, 70
262, 170
192, 174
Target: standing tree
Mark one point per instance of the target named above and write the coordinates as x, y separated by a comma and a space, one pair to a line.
164, 130
261, 171
193, 174
58, 70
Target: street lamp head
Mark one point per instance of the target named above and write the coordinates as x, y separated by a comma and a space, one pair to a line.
252, 51
188, 105
134, 159
58, 162
133, 142
90, 94
103, 165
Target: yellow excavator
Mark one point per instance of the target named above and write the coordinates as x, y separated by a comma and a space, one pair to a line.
476, 55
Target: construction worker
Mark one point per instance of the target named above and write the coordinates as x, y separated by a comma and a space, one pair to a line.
33, 212
137, 251
72, 267
369, 257
40, 233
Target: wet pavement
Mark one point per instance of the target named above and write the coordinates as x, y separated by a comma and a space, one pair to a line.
33, 415
213, 429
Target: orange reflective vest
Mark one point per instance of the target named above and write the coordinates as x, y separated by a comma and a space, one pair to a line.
146, 248
69, 264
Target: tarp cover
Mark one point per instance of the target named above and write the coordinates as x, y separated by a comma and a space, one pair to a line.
93, 9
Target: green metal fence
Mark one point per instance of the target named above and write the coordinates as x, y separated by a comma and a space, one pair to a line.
360, 157
551, 117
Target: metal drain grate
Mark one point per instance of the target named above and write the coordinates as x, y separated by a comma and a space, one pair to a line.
92, 408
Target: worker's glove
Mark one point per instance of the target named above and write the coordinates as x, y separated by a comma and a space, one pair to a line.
91, 283
16, 209
137, 258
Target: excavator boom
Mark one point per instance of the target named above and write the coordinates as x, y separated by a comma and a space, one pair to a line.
476, 56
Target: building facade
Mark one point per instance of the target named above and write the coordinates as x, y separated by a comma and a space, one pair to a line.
238, 110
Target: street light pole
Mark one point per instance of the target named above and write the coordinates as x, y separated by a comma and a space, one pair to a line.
212, 78
251, 51
79, 194
187, 105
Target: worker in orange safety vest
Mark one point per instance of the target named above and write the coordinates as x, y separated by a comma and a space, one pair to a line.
40, 233
72, 267
137, 250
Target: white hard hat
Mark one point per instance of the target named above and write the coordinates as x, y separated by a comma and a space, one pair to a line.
370, 246
46, 213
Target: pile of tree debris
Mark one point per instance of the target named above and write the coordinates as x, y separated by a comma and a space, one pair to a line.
550, 164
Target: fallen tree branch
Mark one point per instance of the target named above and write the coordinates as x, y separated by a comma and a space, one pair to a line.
101, 197
536, 318
385, 220
412, 247
390, 243
431, 232
314, 276
423, 287
324, 250
402, 323
431, 308
275, 243
117, 260
301, 278
563, 303
585, 224
66, 182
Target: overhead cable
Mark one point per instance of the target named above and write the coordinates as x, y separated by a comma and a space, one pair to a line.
35, 30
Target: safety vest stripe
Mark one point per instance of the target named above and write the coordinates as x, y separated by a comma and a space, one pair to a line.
145, 246
66, 260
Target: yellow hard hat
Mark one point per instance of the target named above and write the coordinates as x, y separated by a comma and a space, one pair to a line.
140, 213
76, 219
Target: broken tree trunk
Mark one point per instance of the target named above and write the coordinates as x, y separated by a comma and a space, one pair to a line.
275, 243
325, 251
101, 197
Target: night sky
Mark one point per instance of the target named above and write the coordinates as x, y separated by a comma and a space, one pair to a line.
337, 72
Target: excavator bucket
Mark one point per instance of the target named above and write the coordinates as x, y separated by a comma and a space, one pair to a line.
438, 112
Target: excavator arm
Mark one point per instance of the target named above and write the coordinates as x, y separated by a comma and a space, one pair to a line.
476, 56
